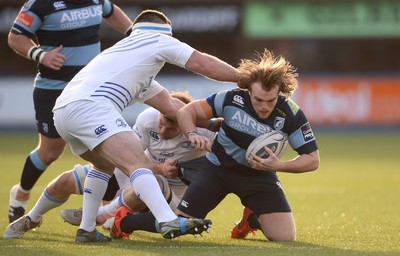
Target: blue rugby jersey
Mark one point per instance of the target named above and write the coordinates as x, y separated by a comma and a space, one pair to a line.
72, 24
241, 126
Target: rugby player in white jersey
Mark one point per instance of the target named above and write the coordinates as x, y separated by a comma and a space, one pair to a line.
88, 116
163, 143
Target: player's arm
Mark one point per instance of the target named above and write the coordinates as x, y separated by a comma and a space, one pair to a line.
211, 67
119, 21
213, 124
27, 48
164, 103
167, 169
188, 116
301, 163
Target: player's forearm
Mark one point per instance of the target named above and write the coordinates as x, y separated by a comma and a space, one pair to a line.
301, 163
212, 67
119, 20
20, 44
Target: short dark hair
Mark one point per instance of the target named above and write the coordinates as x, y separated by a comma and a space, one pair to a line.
152, 16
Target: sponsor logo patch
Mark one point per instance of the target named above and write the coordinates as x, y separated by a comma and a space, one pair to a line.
293, 106
25, 19
307, 132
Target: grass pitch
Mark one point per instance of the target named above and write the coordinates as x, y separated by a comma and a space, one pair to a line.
349, 206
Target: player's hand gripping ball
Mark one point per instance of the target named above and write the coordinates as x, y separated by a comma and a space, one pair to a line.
275, 140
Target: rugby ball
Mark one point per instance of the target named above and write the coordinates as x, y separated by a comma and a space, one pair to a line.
275, 140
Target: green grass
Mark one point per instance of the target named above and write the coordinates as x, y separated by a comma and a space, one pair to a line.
350, 206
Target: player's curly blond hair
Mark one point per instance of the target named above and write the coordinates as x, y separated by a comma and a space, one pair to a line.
270, 71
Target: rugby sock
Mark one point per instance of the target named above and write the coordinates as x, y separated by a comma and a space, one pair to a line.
108, 210
147, 189
45, 203
253, 221
32, 171
142, 221
94, 189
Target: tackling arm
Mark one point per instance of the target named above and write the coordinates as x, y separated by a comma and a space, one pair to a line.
211, 67
196, 111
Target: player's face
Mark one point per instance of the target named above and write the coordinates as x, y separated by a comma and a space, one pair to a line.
168, 129
263, 101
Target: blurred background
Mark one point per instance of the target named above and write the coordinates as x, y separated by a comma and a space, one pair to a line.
347, 54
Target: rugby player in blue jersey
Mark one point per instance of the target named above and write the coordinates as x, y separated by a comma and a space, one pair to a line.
261, 103
62, 37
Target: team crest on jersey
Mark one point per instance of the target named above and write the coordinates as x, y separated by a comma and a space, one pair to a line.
279, 123
45, 127
154, 135
237, 99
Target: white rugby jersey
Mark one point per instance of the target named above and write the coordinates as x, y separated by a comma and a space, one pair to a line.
125, 72
147, 132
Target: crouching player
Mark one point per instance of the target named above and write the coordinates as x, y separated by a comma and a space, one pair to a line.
162, 141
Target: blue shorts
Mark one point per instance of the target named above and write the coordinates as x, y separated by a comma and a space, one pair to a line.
44, 101
209, 184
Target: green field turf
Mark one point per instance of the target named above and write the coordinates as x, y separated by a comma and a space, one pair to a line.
349, 206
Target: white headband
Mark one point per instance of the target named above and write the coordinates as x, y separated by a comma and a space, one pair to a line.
153, 27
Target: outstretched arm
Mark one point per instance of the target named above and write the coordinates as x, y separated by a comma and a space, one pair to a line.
211, 67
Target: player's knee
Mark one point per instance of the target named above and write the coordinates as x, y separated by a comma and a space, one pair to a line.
49, 156
281, 236
164, 186
63, 186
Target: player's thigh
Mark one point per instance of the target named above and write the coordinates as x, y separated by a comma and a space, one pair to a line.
124, 151
199, 200
278, 226
43, 101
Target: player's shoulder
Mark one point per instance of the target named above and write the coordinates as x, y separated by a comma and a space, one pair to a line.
149, 114
237, 97
288, 106
37, 4
147, 117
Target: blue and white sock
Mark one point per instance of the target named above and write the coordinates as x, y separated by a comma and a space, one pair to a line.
94, 189
147, 189
45, 203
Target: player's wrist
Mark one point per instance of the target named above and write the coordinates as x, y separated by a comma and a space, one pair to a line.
191, 133
36, 53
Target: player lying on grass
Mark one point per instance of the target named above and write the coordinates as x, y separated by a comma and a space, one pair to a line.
163, 142
260, 104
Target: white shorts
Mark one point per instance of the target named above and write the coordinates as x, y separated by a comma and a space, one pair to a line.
85, 124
